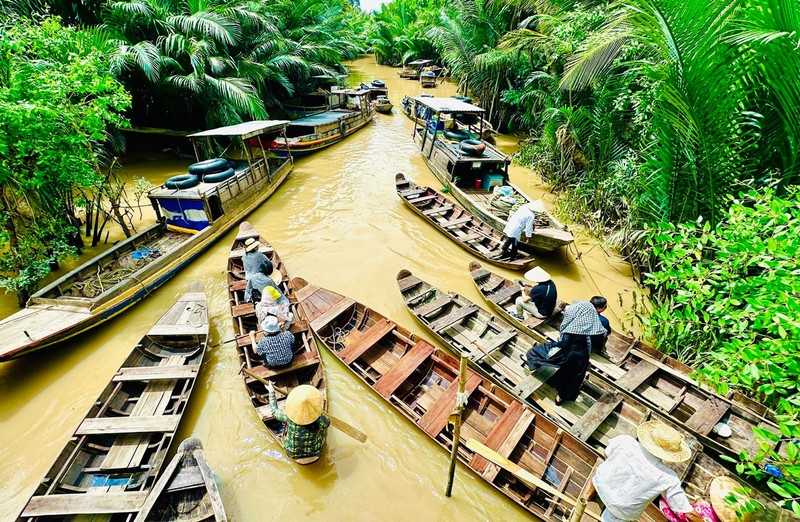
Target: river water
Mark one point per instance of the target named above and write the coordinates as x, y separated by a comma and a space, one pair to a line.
338, 223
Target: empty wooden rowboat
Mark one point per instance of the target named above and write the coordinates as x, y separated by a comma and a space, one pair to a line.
457, 223
111, 462
186, 490
305, 368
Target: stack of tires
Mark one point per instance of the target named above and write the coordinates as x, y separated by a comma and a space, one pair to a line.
209, 171
472, 147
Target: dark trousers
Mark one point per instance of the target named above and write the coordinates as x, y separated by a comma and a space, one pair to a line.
510, 247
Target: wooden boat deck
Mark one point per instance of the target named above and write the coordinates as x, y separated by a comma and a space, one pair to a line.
494, 346
186, 490
306, 366
458, 224
111, 462
420, 382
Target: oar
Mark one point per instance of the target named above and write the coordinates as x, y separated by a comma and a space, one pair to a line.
339, 424
522, 474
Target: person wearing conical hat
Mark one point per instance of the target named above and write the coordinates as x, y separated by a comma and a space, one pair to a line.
634, 473
538, 300
305, 424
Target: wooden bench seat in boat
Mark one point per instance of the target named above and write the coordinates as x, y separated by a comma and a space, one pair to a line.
487, 347
453, 317
594, 416
297, 327
409, 362
298, 361
238, 286
167, 329
435, 419
81, 504
636, 376
151, 373
366, 340
707, 415
480, 273
408, 193
433, 306
239, 252
423, 199
505, 434
456, 222
471, 237
505, 294
132, 424
437, 210
243, 309
332, 313
408, 282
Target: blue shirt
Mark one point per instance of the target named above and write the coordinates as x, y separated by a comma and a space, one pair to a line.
276, 349
605, 323
255, 262
544, 296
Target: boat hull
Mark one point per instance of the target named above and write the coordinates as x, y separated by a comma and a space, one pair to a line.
312, 143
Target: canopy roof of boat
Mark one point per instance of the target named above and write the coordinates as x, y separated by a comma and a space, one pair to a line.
322, 118
448, 105
420, 62
244, 130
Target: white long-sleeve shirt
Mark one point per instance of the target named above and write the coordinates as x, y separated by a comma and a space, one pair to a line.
519, 222
630, 478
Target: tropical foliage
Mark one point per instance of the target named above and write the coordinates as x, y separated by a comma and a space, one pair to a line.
397, 33
57, 99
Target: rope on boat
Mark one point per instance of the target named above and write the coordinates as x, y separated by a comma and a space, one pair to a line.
336, 339
97, 284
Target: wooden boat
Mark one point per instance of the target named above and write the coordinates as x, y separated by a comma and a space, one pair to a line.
316, 132
412, 70
306, 366
428, 76
494, 347
111, 462
643, 373
465, 229
383, 105
420, 382
376, 88
189, 221
472, 176
186, 490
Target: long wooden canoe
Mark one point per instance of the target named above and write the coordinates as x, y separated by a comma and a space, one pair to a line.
601, 411
420, 381
641, 373
306, 366
186, 490
120, 277
111, 462
458, 224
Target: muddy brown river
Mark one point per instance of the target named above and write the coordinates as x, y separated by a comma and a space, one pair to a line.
338, 223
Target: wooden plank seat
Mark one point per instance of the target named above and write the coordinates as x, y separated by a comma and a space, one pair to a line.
412, 192
332, 313
131, 424
437, 210
533, 382
500, 431
238, 286
636, 376
408, 282
707, 415
435, 419
594, 416
244, 234
487, 347
423, 199
510, 443
375, 333
433, 306
187, 478
456, 222
409, 362
243, 309
453, 317
505, 294
85, 504
150, 373
299, 361
178, 329
480, 273
470, 237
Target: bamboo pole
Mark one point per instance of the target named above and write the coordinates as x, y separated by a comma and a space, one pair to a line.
455, 418
578, 510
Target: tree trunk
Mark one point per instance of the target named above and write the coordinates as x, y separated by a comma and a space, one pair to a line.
13, 243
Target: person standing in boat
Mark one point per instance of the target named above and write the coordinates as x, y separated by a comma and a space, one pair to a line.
538, 300
277, 346
520, 221
305, 424
580, 329
634, 473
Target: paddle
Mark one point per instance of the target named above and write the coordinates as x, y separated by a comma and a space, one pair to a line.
523, 475
339, 424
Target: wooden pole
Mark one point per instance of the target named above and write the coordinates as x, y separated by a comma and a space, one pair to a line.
455, 418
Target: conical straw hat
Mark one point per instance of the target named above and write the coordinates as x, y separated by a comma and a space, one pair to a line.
304, 404
720, 487
666, 443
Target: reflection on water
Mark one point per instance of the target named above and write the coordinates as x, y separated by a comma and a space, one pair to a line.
337, 222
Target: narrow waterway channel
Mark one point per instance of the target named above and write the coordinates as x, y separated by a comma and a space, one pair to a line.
338, 223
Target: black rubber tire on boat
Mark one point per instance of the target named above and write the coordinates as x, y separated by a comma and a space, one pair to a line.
378, 83
183, 181
465, 99
209, 166
459, 134
216, 177
472, 147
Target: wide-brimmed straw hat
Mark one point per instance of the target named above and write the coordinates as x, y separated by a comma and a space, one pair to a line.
719, 489
664, 442
537, 274
251, 244
276, 275
304, 404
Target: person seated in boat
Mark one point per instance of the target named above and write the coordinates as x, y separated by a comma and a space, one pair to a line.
256, 283
520, 221
277, 346
580, 330
634, 473
274, 303
255, 261
600, 304
306, 425
538, 300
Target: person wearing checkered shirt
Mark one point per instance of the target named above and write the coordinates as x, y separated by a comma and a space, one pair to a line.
276, 347
306, 425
